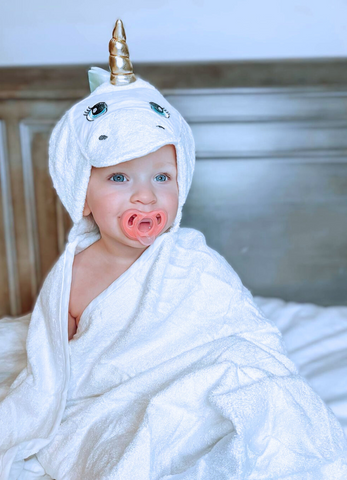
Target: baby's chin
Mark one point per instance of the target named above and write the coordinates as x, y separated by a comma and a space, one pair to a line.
127, 242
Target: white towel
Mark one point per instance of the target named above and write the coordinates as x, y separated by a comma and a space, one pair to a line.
174, 372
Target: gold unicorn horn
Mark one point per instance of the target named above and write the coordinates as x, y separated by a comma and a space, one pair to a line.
120, 65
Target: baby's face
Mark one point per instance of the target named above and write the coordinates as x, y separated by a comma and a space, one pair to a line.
146, 183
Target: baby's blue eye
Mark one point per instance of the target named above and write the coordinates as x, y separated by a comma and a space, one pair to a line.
96, 111
158, 109
119, 177
162, 175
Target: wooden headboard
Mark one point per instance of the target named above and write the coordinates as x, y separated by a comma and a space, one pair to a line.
270, 184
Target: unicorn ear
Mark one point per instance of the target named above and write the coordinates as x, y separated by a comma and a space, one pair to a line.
97, 76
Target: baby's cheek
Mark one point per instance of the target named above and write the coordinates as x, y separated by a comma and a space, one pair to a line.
107, 205
174, 201
172, 206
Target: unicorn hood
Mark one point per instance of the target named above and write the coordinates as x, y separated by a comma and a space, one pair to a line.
112, 125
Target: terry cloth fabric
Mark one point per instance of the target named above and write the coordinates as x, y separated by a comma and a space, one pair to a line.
174, 372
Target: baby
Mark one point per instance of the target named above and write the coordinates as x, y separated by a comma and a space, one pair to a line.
169, 370
145, 183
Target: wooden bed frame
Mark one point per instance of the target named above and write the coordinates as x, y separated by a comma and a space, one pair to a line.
270, 185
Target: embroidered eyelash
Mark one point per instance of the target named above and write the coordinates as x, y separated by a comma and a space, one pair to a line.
96, 111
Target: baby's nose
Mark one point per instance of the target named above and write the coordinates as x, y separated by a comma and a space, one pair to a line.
144, 194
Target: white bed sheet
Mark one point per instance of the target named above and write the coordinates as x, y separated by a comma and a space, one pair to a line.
316, 341
315, 337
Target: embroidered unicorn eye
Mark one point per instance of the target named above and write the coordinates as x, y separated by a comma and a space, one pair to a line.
96, 111
158, 109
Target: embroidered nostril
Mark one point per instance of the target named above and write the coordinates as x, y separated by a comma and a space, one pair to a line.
160, 126
103, 137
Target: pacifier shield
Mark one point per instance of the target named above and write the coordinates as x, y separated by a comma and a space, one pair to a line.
143, 226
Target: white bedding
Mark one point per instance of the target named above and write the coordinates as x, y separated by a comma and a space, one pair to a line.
316, 341
315, 337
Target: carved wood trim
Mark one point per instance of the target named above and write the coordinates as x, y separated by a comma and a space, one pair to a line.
69, 82
11, 256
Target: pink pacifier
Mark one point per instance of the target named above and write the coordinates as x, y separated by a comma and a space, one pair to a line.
142, 226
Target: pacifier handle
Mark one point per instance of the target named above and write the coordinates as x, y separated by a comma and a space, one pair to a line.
143, 226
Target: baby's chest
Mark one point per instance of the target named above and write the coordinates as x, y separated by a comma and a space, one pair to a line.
85, 288
82, 293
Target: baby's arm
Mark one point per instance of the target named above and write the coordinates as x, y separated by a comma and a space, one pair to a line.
72, 326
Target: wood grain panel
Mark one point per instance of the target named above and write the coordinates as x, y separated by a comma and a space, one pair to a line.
9, 292
261, 104
265, 139
40, 199
71, 82
265, 123
28, 125
281, 225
